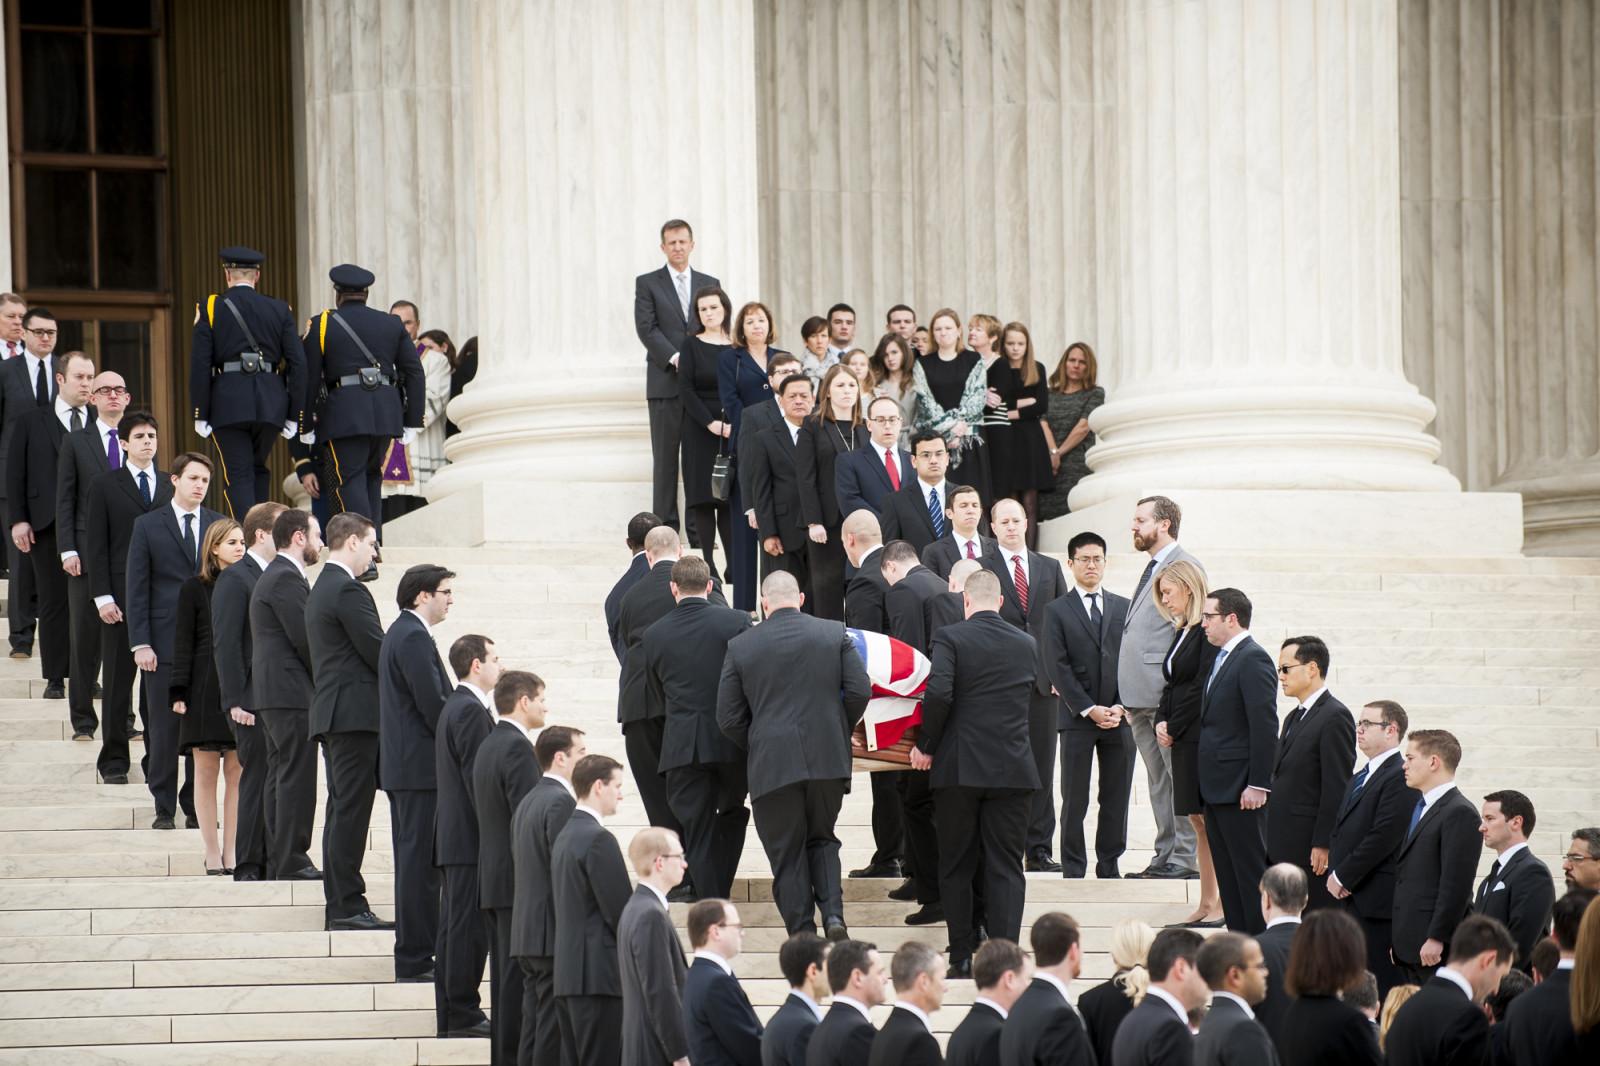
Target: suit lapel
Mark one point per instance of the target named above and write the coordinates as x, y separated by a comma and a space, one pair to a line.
124, 480
1427, 816
1075, 606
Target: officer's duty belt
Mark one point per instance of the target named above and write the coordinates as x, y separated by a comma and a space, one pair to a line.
355, 379
237, 367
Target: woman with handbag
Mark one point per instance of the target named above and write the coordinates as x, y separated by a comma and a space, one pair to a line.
705, 430
835, 427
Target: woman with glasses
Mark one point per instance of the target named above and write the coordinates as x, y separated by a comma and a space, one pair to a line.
835, 428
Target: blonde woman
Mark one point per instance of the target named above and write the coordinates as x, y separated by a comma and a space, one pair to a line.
860, 364
1180, 591
951, 383
1105, 1005
1391, 1006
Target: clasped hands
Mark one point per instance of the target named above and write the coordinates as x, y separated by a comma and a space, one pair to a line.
1106, 717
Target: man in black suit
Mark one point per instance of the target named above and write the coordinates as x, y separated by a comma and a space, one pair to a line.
116, 500
917, 511
282, 687
964, 509
775, 485
27, 380
1000, 971
1156, 1032
1438, 862
798, 739
32, 469
1042, 1027
650, 957
663, 310
1238, 737
1082, 641
974, 742
705, 771
862, 478
1539, 1023
722, 1027
465, 722
1367, 834
235, 659
1518, 891
85, 455
639, 526
1444, 1022
163, 553
1231, 1034
1283, 901
506, 770
346, 642
803, 961
412, 688
917, 973
753, 420
1030, 583
1316, 751
589, 886
844, 1035
539, 819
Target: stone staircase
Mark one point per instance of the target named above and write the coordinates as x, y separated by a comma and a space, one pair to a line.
115, 948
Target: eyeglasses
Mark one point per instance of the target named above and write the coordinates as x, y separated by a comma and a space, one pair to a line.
44, 333
892, 420
732, 925
1284, 670
1574, 860
1212, 614
112, 390
1363, 723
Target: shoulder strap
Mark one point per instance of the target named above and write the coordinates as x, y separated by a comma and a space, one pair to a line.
237, 317
353, 336
322, 333
211, 310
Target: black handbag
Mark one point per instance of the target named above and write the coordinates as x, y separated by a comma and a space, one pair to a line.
722, 471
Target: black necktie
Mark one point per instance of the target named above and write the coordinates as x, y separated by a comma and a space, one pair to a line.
1488, 882
144, 486
1144, 579
189, 542
1095, 614
77, 419
1295, 718
41, 386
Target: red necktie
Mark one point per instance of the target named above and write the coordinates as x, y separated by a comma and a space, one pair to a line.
1020, 579
970, 554
893, 467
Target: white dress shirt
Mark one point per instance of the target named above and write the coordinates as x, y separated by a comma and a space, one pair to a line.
263, 563
1459, 981
64, 413
341, 566
1311, 701
923, 487
866, 1012
922, 1016
1170, 1000
816, 1008
592, 813
1010, 557
794, 431
1061, 986
1505, 856
135, 469
520, 727
660, 895
483, 697
992, 1005
566, 783
1248, 1013
1287, 919
1434, 795
712, 956
976, 540
294, 557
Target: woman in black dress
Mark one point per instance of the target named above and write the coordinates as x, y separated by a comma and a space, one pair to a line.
205, 731
1105, 1005
705, 431
835, 427
951, 385
1021, 468
1180, 590
1320, 1029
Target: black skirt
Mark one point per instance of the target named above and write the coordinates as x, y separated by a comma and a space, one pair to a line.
1186, 778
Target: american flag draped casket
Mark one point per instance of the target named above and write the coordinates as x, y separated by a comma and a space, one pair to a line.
883, 738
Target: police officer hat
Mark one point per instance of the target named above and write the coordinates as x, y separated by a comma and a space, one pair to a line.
347, 277
240, 256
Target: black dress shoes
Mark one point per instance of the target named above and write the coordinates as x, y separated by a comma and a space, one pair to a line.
248, 875
1169, 871
82, 735
480, 1030
115, 779
683, 892
1107, 873
98, 692
191, 822
370, 573
307, 873
960, 969
163, 821
424, 978
366, 921
55, 690
929, 914
1042, 864
834, 929
879, 869
904, 892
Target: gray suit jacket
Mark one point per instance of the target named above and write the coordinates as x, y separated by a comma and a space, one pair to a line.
16, 398
1146, 639
82, 459
1229, 1037
653, 972
659, 320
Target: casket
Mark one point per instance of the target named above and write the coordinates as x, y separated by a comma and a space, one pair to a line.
897, 756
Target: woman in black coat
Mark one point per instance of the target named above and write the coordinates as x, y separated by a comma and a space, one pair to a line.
835, 427
1105, 1005
1181, 591
1320, 1029
205, 731
1019, 459
705, 430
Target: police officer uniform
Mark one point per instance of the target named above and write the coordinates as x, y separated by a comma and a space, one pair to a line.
373, 396
247, 376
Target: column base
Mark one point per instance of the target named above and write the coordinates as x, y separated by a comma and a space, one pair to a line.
1561, 514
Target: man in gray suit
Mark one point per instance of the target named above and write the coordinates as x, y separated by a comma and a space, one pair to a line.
1230, 1035
1146, 639
653, 970
792, 690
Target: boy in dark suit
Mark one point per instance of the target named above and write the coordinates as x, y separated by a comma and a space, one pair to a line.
1230, 1035
1042, 1027
1000, 971
1156, 1032
803, 961
964, 509
1444, 1023
721, 1025
1518, 890
845, 1034
639, 526
650, 957
918, 973
1438, 862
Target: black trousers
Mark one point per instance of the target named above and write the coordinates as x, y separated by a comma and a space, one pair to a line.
642, 742
85, 665
21, 602
795, 824
666, 441
161, 745
117, 703
353, 476
242, 454
542, 1041
352, 784
708, 798
460, 951
1376, 931
921, 835
796, 562
257, 803
1080, 745
293, 787
591, 1028
55, 616
416, 880
1042, 806
827, 563
1238, 840
888, 833
986, 825
505, 990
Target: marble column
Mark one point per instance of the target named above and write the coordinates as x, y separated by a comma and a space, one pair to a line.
593, 124
387, 158
1552, 240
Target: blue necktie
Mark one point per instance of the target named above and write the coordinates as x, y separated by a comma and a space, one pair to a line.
144, 486
1095, 614
1416, 816
1361, 782
936, 513
1221, 655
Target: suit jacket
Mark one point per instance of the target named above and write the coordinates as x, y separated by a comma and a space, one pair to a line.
1325, 1029
775, 487
1146, 639
346, 641
16, 398
1438, 1026
904, 1041
1434, 874
1239, 724
331, 354
230, 632
976, 1041
916, 608
158, 565
280, 649
115, 503
1185, 671
1152, 1035
905, 514
659, 320
1309, 774
793, 732
653, 971
861, 480
683, 654
32, 466
1519, 895
639, 567
866, 596
1042, 1029
1046, 584
975, 707
722, 1027
83, 458
412, 688
942, 555
821, 445
464, 724
754, 419
271, 397
504, 772
1102, 1008
540, 817
589, 886
1080, 658
1230, 1037
1367, 834
1275, 944
649, 601
1539, 1026
788, 1033
842, 1038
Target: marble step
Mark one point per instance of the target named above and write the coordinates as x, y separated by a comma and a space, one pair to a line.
338, 1052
